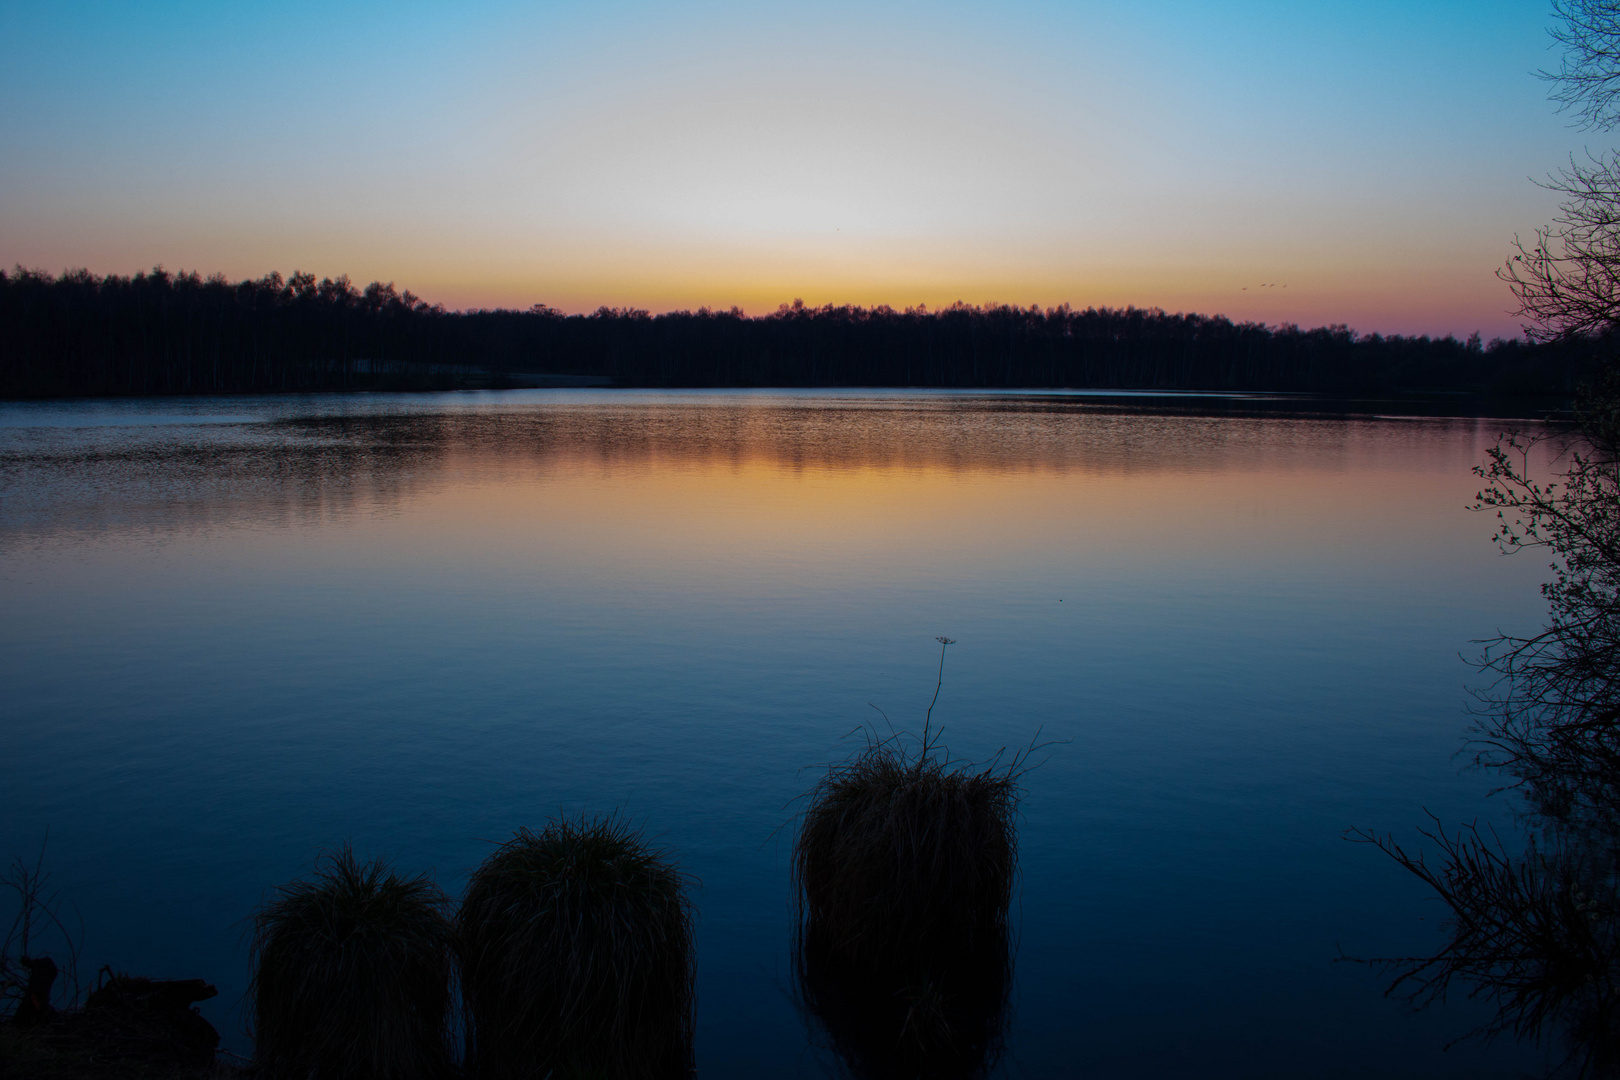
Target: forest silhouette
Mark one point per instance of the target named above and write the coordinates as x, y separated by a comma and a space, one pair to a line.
79, 334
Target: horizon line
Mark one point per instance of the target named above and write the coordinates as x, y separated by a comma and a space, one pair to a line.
796, 304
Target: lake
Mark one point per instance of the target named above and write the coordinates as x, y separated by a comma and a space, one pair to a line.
240, 630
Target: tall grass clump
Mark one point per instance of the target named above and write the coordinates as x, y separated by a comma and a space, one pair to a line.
576, 957
351, 975
902, 851
904, 868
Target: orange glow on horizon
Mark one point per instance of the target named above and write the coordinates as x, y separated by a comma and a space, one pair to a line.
1222, 163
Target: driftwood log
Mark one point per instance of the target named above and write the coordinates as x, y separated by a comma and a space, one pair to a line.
153, 1017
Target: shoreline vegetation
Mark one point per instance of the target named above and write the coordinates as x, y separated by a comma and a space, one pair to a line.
160, 333
571, 953
1534, 930
570, 956
903, 871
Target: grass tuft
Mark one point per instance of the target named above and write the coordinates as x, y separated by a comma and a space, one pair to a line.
903, 868
576, 957
897, 853
351, 975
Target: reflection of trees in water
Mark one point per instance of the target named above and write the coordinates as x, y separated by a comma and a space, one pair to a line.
1538, 933
956, 433
166, 481
323, 466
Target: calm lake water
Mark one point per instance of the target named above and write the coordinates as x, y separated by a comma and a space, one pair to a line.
238, 631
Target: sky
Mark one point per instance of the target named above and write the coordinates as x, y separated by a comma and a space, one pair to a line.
1358, 161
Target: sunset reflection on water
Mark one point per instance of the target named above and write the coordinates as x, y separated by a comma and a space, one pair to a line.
241, 630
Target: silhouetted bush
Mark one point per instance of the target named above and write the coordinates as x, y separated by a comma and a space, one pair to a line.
1538, 934
351, 975
576, 947
904, 867
897, 853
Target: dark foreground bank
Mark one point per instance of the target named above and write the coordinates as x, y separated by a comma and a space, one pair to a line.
128, 1028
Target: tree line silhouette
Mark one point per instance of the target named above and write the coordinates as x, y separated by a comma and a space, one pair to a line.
81, 334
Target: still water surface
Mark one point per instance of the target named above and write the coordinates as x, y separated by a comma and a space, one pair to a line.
237, 631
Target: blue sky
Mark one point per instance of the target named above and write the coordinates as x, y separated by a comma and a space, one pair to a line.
1364, 163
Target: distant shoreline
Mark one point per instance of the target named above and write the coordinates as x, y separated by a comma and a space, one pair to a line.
80, 335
